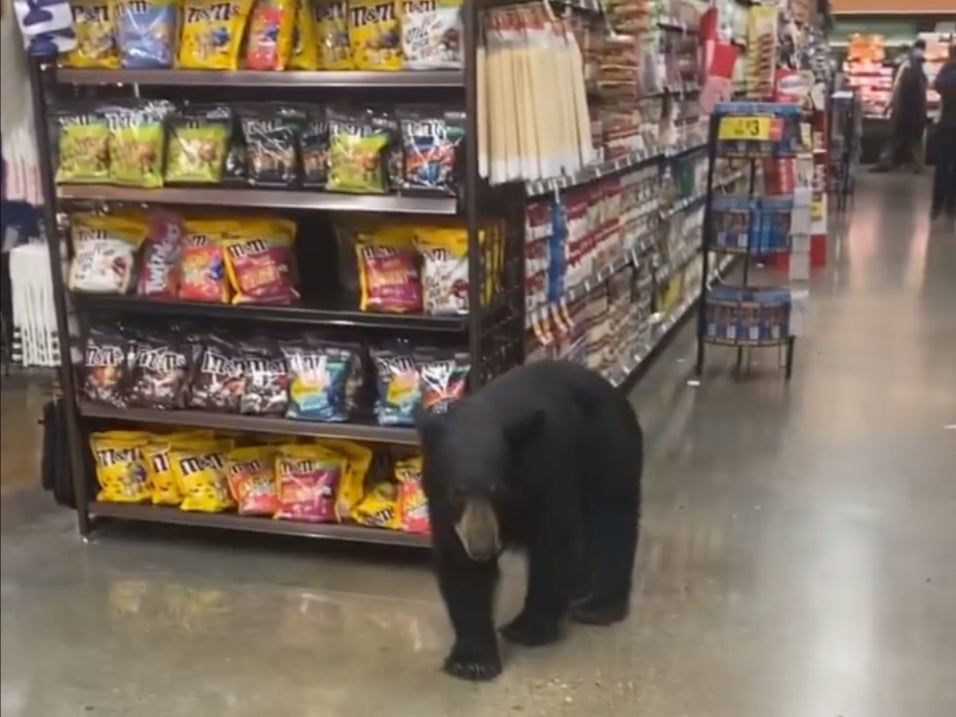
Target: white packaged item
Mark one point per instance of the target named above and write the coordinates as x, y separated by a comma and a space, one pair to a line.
104, 253
432, 34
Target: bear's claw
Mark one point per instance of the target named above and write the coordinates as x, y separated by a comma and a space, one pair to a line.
471, 666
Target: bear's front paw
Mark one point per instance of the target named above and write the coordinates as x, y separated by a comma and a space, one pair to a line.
471, 664
532, 630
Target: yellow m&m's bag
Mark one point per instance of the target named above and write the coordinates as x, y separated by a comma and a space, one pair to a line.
212, 33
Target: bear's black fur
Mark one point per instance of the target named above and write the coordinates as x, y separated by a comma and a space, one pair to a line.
558, 453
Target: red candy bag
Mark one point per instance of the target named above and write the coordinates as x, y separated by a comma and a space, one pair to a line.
159, 272
259, 262
270, 35
251, 475
389, 277
411, 497
307, 477
202, 270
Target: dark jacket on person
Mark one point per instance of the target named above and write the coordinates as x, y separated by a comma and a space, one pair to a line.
911, 100
946, 86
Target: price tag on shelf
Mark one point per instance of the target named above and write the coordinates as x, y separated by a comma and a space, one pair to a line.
754, 128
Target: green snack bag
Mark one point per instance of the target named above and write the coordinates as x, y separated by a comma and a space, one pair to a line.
198, 144
357, 155
136, 143
82, 147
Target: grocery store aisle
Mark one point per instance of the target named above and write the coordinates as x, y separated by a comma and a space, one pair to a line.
797, 556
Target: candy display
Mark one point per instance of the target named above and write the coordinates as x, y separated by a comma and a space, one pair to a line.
120, 467
94, 22
250, 471
747, 316
265, 390
217, 382
82, 147
307, 480
136, 143
270, 34
200, 472
198, 142
431, 145
389, 277
202, 265
322, 379
375, 34
413, 506
105, 250
258, 256
357, 154
159, 371
211, 34
159, 270
105, 366
431, 34
270, 135
332, 34
146, 33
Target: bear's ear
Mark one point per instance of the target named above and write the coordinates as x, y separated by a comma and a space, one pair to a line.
429, 426
524, 429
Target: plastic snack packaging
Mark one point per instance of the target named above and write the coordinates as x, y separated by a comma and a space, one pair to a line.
136, 141
200, 471
159, 466
271, 135
431, 34
394, 156
258, 258
146, 33
266, 379
307, 477
252, 481
444, 379
332, 30
357, 150
94, 22
82, 147
379, 508
270, 35
105, 249
444, 252
202, 267
305, 47
159, 268
320, 377
352, 485
120, 469
389, 278
431, 146
106, 367
375, 34
217, 382
314, 149
211, 34
159, 371
411, 496
399, 387
197, 145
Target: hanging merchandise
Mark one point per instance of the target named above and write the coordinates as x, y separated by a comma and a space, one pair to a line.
762, 51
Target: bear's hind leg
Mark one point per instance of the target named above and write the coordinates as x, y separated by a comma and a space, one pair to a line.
550, 582
611, 547
468, 589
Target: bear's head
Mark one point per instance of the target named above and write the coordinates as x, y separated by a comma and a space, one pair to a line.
470, 459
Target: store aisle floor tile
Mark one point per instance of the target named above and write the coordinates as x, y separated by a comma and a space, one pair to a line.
797, 555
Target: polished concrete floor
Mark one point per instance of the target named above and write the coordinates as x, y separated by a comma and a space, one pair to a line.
797, 558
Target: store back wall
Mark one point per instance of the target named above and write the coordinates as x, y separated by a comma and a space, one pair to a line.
896, 7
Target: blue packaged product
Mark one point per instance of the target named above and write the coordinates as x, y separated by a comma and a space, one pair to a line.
398, 380
146, 31
320, 380
556, 245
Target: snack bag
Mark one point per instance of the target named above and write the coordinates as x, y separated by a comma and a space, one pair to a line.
252, 481
319, 380
136, 143
270, 135
444, 379
393, 155
265, 380
159, 269
159, 467
379, 508
307, 477
444, 252
258, 258
200, 472
375, 34
159, 370
202, 268
94, 22
332, 30
120, 470
104, 254
82, 144
305, 47
431, 34
399, 388
389, 279
411, 497
217, 382
105, 367
146, 33
314, 149
356, 155
352, 485
269, 41
211, 34
198, 144
431, 146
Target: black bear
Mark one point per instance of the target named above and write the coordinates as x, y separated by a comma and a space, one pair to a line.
547, 457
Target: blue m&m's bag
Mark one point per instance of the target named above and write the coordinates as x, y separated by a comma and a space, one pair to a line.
146, 32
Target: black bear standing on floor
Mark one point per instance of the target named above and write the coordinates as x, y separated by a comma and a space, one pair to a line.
548, 457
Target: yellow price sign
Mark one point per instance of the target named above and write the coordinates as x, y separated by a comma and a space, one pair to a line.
752, 128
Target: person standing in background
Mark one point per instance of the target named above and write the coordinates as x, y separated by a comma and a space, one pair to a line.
907, 110
944, 178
